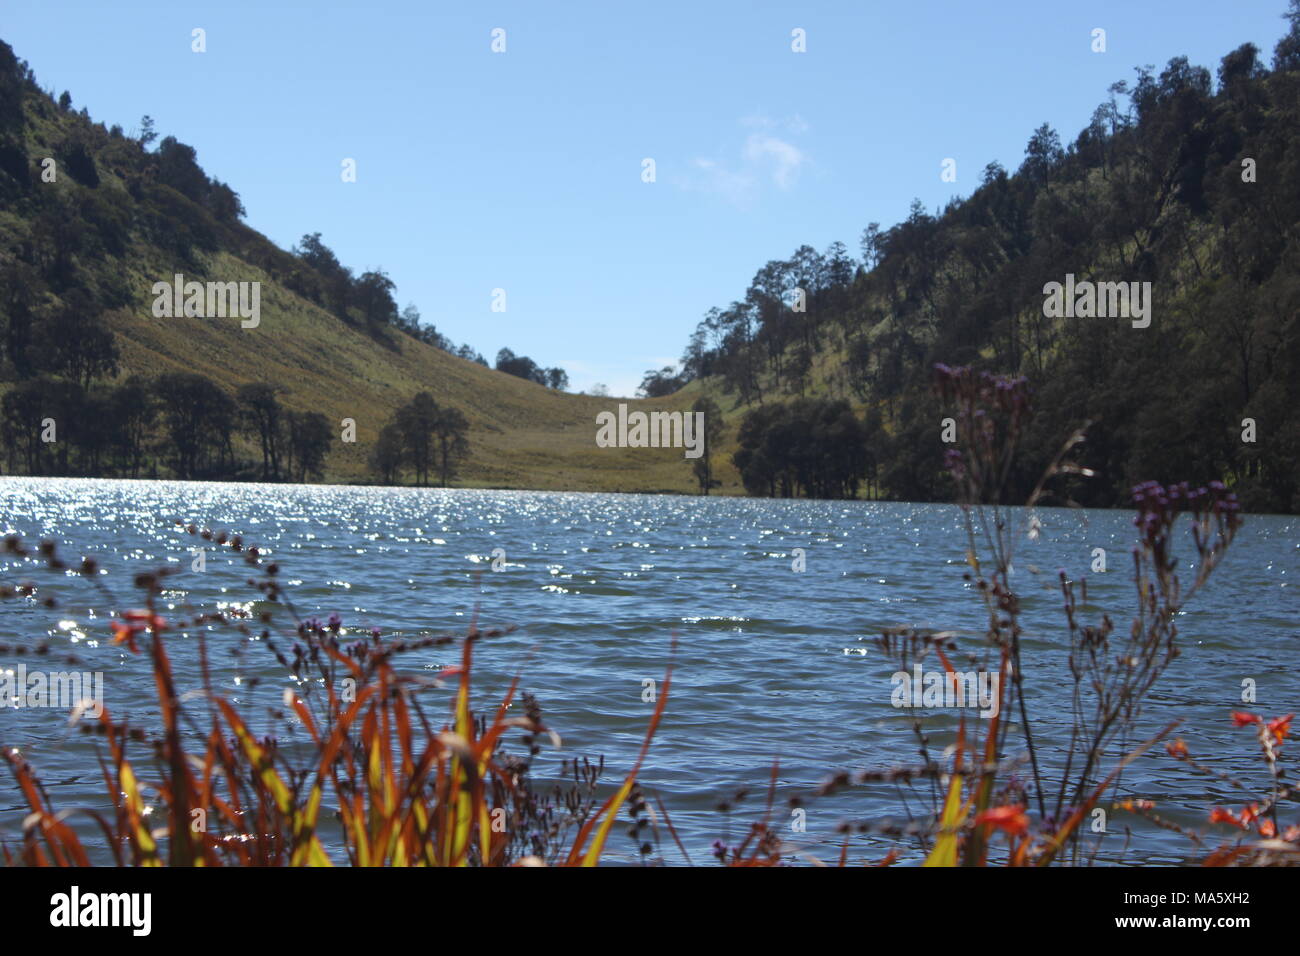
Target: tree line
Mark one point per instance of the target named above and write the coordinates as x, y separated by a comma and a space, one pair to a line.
521, 366
184, 425
180, 424
817, 448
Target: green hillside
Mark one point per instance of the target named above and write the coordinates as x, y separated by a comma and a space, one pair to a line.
1185, 186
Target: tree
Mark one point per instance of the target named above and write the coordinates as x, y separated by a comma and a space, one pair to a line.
416, 421
697, 360
373, 294
409, 322
21, 292
658, 384
58, 238
133, 411
714, 429
424, 435
1240, 67
178, 167
469, 355
225, 202
1286, 55
758, 466
557, 378
13, 83
521, 366
21, 414
262, 417
315, 253
309, 437
993, 173
450, 430
1042, 154
336, 278
147, 134
800, 368
78, 345
77, 159
198, 418
386, 459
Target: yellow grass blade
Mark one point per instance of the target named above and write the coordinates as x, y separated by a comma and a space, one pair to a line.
135, 811
944, 852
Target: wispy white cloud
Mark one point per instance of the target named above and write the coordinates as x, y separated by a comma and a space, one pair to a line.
767, 157
793, 125
781, 159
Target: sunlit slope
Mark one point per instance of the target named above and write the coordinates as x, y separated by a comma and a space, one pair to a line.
522, 435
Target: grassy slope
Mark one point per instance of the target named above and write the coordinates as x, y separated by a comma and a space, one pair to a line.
522, 435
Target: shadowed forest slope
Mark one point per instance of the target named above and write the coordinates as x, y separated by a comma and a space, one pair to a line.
1185, 181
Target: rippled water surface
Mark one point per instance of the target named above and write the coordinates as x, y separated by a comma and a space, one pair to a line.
772, 663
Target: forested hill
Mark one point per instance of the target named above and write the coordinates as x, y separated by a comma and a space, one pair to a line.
91, 217
1183, 179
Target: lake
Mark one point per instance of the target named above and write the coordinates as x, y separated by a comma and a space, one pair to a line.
772, 662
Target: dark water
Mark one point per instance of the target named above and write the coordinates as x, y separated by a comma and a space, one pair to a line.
772, 663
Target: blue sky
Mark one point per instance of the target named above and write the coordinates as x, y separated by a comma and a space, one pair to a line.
522, 170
